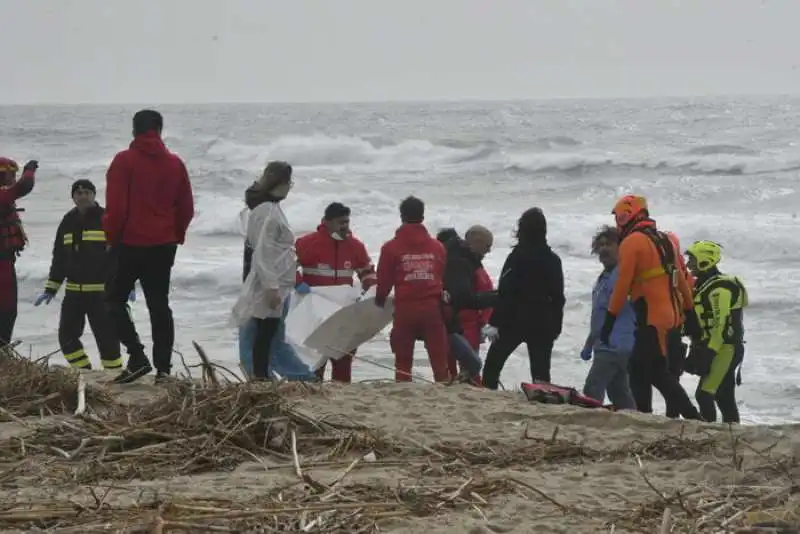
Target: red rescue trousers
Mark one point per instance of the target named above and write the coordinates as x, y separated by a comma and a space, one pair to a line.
419, 320
8, 300
342, 369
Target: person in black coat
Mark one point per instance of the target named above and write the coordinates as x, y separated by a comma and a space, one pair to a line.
462, 294
531, 302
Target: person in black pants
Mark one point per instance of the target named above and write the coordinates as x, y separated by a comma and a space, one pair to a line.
531, 302
273, 264
149, 206
676, 356
80, 258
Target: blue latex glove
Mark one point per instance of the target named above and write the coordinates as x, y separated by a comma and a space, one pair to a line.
132, 296
586, 354
44, 297
302, 288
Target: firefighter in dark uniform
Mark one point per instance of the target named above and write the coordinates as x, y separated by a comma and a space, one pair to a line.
79, 256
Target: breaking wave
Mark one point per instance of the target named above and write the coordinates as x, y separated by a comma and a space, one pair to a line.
544, 155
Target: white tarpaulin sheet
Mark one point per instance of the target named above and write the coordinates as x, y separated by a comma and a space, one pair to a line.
331, 321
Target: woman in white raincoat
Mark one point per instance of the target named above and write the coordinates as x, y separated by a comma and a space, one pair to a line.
272, 275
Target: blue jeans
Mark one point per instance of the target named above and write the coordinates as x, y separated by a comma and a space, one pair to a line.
283, 361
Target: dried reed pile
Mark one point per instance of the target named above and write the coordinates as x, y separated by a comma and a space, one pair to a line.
32, 388
87, 463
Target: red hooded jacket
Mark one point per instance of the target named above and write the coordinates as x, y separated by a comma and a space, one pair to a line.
472, 321
148, 195
326, 261
413, 263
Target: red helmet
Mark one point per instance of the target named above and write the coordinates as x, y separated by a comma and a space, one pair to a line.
8, 165
629, 209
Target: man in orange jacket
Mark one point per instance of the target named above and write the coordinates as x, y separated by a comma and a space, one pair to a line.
413, 262
649, 274
330, 257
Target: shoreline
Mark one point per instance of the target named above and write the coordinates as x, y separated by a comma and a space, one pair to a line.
362, 457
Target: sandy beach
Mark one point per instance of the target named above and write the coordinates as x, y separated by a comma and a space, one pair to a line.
370, 457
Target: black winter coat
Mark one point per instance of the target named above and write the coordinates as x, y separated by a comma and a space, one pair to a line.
531, 293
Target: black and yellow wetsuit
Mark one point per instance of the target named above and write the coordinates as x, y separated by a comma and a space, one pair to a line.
79, 256
718, 350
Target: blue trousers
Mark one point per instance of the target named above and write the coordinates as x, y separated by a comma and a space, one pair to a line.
283, 361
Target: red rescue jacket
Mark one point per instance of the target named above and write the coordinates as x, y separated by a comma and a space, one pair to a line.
325, 261
12, 234
148, 195
472, 321
413, 263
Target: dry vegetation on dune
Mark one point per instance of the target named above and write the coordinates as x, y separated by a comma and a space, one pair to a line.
84, 464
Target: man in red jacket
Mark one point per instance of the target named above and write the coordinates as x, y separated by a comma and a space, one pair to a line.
413, 263
149, 206
330, 257
12, 239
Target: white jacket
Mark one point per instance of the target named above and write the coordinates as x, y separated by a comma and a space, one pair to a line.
274, 264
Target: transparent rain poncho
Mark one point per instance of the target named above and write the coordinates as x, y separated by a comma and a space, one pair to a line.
274, 264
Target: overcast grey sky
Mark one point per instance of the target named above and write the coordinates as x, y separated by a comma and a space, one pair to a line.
332, 50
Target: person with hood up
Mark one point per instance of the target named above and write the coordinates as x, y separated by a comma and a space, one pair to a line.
649, 275
469, 292
12, 238
330, 257
80, 257
149, 207
531, 302
609, 371
272, 274
283, 358
413, 263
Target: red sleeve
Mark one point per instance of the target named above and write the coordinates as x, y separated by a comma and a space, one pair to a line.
483, 284
184, 207
117, 180
20, 188
385, 271
363, 265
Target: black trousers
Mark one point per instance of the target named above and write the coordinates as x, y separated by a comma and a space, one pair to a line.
76, 307
8, 300
725, 396
648, 368
539, 354
265, 333
676, 357
152, 267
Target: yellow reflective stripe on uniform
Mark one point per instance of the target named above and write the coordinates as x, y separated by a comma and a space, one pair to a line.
52, 285
77, 359
94, 235
85, 287
112, 364
68, 239
651, 273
